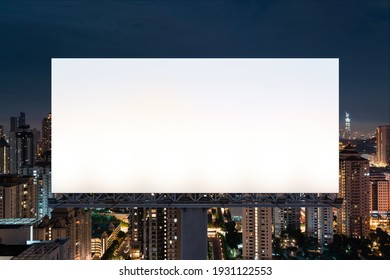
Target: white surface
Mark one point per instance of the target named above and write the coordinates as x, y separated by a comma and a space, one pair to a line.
195, 125
286, 269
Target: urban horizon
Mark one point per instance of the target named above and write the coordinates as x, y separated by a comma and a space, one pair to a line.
364, 130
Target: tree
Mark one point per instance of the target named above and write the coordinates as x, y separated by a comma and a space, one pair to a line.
233, 238
121, 234
109, 253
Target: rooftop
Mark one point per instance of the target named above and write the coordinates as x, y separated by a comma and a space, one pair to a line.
350, 154
38, 251
17, 222
12, 250
3, 143
9, 180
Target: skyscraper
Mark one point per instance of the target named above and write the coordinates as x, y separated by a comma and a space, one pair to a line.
135, 232
23, 148
353, 218
4, 156
18, 197
283, 218
22, 152
17, 122
1, 131
46, 133
383, 144
347, 129
155, 233
161, 234
42, 180
319, 224
380, 194
256, 233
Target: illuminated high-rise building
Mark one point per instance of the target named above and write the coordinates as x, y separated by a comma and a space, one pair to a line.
42, 180
23, 148
380, 194
155, 233
1, 131
256, 233
319, 224
161, 234
383, 144
22, 152
4, 156
71, 223
284, 218
353, 218
18, 197
347, 129
46, 133
135, 232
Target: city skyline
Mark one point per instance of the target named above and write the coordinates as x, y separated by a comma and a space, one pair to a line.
161, 231
354, 133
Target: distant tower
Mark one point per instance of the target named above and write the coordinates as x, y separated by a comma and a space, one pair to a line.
23, 144
17, 122
347, 131
4, 156
46, 133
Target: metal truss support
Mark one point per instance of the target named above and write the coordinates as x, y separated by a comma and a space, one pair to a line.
193, 200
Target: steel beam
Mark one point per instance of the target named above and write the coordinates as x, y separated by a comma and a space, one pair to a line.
193, 200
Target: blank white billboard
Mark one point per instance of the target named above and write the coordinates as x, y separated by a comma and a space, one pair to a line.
194, 125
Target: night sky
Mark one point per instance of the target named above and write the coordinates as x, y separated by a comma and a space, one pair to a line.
357, 32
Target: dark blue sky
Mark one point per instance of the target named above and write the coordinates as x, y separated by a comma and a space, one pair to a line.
357, 32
